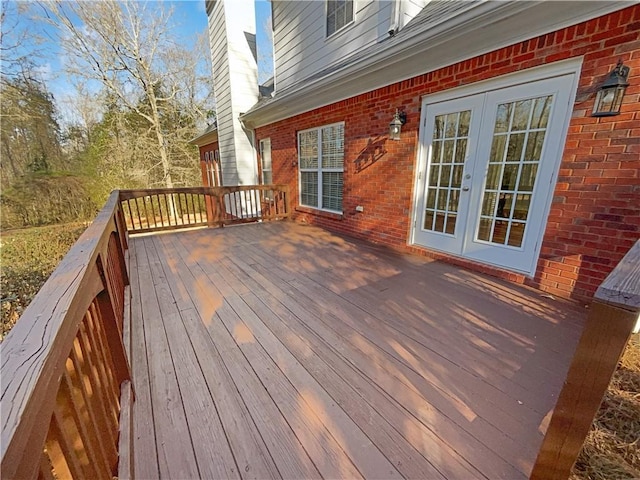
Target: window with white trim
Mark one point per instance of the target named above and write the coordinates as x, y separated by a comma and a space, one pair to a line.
265, 161
321, 160
339, 15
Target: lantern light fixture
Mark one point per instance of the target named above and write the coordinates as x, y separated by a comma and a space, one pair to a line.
395, 127
609, 97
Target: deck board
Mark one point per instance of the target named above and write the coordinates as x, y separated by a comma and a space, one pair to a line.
282, 350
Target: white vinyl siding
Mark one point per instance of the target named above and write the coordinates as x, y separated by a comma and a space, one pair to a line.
321, 161
298, 56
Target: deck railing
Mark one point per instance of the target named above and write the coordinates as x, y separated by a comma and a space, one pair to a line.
66, 388
614, 312
65, 373
66, 383
167, 209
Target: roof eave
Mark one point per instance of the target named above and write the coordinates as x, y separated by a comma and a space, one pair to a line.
427, 51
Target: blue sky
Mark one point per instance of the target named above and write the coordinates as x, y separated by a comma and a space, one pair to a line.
190, 18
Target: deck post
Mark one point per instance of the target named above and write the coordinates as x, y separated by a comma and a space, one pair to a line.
614, 313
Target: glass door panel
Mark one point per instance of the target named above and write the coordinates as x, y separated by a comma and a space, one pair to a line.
518, 136
449, 151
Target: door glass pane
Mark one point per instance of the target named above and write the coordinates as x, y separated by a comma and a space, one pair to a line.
521, 115
451, 224
516, 234
435, 155
497, 148
447, 155
534, 146
442, 193
541, 112
463, 126
516, 148
503, 117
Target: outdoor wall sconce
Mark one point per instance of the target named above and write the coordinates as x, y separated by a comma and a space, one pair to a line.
609, 96
395, 127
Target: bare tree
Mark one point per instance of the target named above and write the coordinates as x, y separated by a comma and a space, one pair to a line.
130, 50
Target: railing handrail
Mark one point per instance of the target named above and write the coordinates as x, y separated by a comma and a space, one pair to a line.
132, 192
612, 317
622, 286
34, 353
159, 209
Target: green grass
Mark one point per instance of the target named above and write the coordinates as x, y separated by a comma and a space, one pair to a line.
27, 258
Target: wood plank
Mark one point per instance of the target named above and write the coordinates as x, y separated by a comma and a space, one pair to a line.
250, 450
271, 355
126, 469
45, 472
212, 452
71, 389
361, 450
61, 429
54, 448
95, 392
288, 454
76, 439
476, 362
144, 438
622, 286
97, 414
103, 394
176, 458
409, 462
601, 346
275, 317
419, 437
373, 349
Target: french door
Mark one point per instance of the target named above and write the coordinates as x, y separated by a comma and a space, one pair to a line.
487, 171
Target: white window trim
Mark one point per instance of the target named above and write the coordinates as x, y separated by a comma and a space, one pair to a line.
319, 169
341, 29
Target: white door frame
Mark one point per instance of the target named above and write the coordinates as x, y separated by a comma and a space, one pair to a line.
566, 67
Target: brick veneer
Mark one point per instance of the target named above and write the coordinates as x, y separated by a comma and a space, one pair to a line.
595, 211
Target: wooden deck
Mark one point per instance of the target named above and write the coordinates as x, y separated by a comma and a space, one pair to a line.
279, 350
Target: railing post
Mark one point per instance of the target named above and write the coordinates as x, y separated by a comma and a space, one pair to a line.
208, 201
614, 313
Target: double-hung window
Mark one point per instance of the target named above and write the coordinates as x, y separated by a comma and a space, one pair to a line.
321, 160
339, 15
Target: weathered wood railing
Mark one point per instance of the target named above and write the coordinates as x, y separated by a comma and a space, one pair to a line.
65, 374
153, 210
66, 387
614, 313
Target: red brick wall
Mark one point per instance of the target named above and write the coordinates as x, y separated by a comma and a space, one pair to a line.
595, 213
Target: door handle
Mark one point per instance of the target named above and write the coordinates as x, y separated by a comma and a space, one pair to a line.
465, 189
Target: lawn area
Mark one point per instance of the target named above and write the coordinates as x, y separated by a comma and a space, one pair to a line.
27, 258
611, 451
